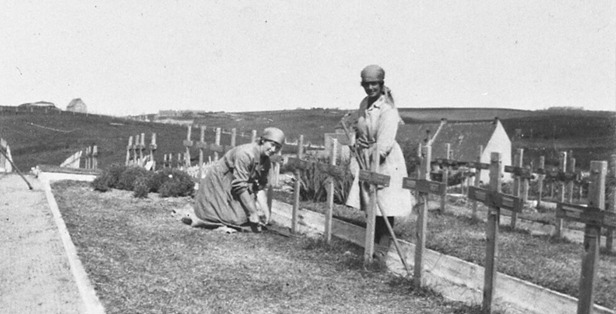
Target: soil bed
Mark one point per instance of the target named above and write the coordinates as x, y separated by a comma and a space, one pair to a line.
142, 259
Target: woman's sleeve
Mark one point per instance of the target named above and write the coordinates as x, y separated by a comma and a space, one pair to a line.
386, 134
262, 180
241, 173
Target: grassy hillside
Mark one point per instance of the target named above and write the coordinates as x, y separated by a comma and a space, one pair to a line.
415, 115
50, 138
39, 138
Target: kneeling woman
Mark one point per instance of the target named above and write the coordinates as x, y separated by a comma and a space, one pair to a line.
231, 193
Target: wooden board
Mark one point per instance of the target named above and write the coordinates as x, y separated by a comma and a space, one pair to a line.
519, 171
374, 178
499, 200
424, 186
203, 145
477, 165
588, 215
216, 148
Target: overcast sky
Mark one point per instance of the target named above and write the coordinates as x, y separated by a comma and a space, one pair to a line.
133, 57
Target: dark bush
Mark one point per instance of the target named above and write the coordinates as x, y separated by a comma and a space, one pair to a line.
109, 178
129, 176
142, 185
173, 183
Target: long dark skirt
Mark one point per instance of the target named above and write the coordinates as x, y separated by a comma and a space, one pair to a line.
214, 202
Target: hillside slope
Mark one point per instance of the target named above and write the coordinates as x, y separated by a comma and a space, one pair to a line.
38, 137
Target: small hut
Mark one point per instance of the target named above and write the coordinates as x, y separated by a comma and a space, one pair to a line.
77, 105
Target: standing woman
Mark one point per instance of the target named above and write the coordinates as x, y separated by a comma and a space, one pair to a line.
376, 128
232, 192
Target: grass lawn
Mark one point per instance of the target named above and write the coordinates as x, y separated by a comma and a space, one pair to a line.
547, 261
140, 259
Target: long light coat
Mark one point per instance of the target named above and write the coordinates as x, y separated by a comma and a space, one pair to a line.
379, 125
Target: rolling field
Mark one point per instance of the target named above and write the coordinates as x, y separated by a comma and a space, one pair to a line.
49, 138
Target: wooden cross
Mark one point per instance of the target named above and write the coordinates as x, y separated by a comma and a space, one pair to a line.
375, 180
297, 186
140, 146
152, 150
495, 201
478, 166
330, 192
216, 147
424, 187
521, 175
595, 217
201, 145
188, 143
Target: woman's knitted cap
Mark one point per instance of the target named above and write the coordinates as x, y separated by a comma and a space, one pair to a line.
372, 73
274, 135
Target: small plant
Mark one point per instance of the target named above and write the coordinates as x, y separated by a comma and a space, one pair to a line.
142, 185
314, 179
173, 183
129, 176
109, 178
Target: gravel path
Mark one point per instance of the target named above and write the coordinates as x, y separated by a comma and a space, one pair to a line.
35, 276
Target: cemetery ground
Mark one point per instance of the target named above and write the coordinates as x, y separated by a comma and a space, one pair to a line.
532, 255
140, 258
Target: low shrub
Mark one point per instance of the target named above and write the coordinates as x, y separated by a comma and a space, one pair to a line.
173, 183
109, 178
167, 182
142, 185
129, 176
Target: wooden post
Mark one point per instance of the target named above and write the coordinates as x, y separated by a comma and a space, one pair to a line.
330, 194
141, 148
129, 147
135, 148
233, 137
297, 187
422, 220
609, 242
489, 282
445, 179
188, 143
477, 183
424, 187
418, 170
94, 157
201, 145
540, 180
563, 166
517, 162
592, 234
217, 142
570, 182
253, 136
87, 159
371, 212
152, 150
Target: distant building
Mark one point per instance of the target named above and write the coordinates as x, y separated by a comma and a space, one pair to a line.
77, 105
39, 104
464, 139
168, 113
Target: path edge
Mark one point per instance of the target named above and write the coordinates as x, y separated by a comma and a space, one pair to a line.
90, 300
